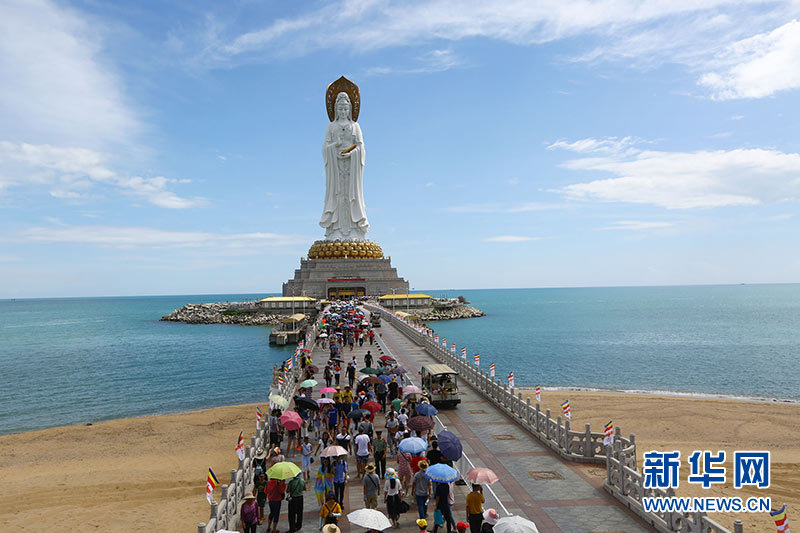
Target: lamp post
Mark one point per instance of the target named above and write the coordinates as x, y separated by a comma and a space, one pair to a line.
394, 292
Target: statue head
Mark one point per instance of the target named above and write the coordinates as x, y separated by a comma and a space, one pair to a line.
342, 106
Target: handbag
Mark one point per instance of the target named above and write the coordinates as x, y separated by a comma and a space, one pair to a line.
403, 507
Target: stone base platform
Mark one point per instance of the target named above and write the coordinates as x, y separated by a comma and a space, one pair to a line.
332, 278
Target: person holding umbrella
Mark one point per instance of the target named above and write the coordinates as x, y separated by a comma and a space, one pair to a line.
474, 509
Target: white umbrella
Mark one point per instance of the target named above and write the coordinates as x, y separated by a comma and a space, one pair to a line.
369, 519
515, 524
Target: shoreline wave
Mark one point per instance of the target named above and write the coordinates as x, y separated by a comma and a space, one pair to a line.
667, 393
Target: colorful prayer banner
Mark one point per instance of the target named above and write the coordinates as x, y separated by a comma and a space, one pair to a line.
259, 417
491, 370
211, 484
464, 354
240, 446
567, 410
608, 433
477, 360
781, 521
538, 393
511, 379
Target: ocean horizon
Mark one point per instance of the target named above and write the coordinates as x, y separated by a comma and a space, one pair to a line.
73, 360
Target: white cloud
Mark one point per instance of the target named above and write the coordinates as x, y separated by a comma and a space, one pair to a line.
71, 172
55, 88
504, 208
758, 66
636, 225
737, 117
432, 61
684, 180
608, 145
510, 238
781, 218
135, 237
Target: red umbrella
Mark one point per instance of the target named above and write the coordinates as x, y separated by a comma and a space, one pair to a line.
291, 420
420, 423
372, 407
385, 358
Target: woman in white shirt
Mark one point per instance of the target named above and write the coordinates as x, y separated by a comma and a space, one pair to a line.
393, 495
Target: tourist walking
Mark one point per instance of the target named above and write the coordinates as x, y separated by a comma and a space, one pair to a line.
259, 462
306, 451
379, 446
351, 373
337, 372
392, 498
249, 514
474, 510
324, 441
328, 375
391, 429
330, 512
260, 490
368, 359
423, 525
372, 487
363, 449
371, 337
275, 491
442, 494
404, 468
294, 493
323, 486
421, 488
489, 520
340, 478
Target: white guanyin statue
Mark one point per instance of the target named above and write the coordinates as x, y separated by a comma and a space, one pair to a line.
344, 216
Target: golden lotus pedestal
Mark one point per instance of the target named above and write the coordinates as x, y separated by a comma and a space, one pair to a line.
345, 269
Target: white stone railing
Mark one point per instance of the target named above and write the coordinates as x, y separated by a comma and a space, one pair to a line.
623, 479
225, 514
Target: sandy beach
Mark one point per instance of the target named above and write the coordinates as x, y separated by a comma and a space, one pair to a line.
150, 472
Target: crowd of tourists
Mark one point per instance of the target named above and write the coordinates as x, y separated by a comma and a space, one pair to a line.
381, 420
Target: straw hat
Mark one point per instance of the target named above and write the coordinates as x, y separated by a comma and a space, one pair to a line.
331, 528
422, 523
249, 497
391, 473
260, 453
371, 467
423, 465
490, 515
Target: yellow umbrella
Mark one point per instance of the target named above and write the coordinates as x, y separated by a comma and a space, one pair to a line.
283, 470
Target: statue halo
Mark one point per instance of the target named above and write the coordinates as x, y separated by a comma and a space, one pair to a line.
343, 85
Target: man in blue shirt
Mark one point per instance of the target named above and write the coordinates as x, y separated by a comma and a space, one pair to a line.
340, 478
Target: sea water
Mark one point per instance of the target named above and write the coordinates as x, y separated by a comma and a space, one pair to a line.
82, 360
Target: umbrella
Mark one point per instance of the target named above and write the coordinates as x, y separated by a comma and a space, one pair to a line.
307, 384
277, 399
480, 475
399, 370
372, 379
313, 368
291, 420
426, 409
355, 414
305, 403
327, 389
441, 473
322, 335
372, 407
369, 519
515, 524
412, 445
283, 470
323, 401
385, 358
385, 379
411, 389
369, 370
333, 451
396, 403
420, 423
449, 445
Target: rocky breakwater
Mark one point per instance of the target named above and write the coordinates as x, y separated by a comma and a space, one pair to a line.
224, 313
449, 313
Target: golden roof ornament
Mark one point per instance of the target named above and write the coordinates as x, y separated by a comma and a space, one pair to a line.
343, 85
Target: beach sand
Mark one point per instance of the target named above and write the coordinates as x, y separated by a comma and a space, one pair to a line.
668, 423
150, 472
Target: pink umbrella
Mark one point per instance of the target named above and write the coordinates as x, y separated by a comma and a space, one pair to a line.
333, 451
323, 401
291, 420
327, 389
411, 389
481, 476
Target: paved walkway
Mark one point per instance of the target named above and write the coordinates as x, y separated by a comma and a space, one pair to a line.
557, 495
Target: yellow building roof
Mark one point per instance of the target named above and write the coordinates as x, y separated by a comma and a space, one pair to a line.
288, 299
404, 296
297, 317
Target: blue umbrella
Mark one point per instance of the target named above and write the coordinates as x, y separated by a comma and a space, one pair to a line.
412, 445
386, 379
426, 409
441, 473
449, 445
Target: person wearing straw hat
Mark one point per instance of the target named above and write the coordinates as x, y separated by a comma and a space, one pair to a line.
249, 514
490, 517
259, 462
331, 528
372, 487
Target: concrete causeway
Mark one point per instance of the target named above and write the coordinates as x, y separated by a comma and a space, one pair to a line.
557, 495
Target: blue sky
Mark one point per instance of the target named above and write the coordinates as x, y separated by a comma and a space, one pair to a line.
170, 148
